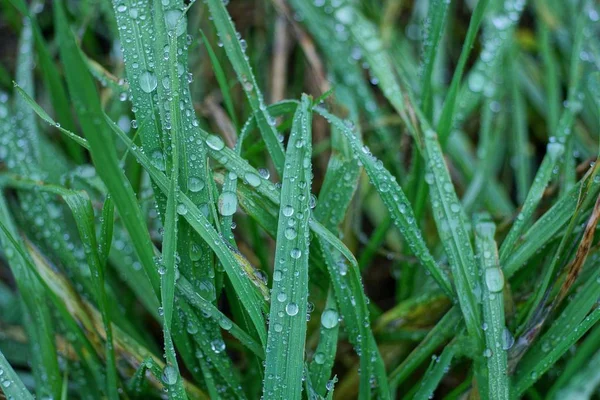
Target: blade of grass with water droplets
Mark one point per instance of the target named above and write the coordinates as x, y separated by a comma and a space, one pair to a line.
221, 79
520, 144
443, 330
395, 200
44, 115
451, 224
45, 359
436, 371
237, 267
324, 357
532, 368
337, 191
85, 96
235, 52
52, 80
446, 118
536, 191
167, 72
287, 322
493, 310
10, 383
433, 30
547, 226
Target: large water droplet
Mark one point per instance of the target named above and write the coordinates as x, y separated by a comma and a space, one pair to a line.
148, 81
476, 81
217, 345
291, 309
215, 142
225, 323
290, 233
288, 211
227, 203
252, 179
195, 184
296, 253
319, 358
173, 21
169, 375
329, 318
494, 279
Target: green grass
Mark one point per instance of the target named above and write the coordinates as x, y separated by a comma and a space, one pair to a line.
424, 229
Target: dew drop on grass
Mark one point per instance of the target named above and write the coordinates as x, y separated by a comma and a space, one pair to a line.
296, 253
319, 358
329, 318
227, 203
290, 233
252, 179
215, 142
476, 81
487, 353
148, 81
226, 324
288, 211
217, 345
169, 375
195, 252
195, 184
182, 209
174, 22
264, 173
508, 339
278, 328
192, 328
158, 160
291, 309
494, 279
555, 150
277, 276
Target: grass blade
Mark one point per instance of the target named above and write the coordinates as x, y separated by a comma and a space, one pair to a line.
11, 384
234, 47
496, 333
287, 324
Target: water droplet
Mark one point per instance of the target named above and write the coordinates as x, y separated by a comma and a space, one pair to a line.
281, 297
195, 184
217, 345
319, 358
192, 328
277, 276
227, 203
476, 81
278, 328
288, 211
508, 339
290, 233
182, 209
295, 253
215, 142
252, 179
494, 279
291, 309
225, 323
195, 252
264, 173
329, 318
487, 353
169, 376
173, 21
148, 81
